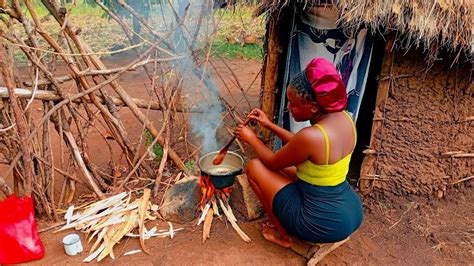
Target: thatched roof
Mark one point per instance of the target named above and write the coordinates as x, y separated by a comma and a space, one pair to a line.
432, 23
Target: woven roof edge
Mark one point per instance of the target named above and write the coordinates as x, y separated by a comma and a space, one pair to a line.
435, 24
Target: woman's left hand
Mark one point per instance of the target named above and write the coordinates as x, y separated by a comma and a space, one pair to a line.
245, 133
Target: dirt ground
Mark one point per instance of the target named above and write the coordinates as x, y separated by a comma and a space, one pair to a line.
412, 232
404, 231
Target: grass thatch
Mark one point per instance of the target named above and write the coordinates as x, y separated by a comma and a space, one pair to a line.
435, 24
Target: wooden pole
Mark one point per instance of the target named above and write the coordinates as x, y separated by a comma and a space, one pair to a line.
270, 71
54, 96
5, 188
21, 125
369, 164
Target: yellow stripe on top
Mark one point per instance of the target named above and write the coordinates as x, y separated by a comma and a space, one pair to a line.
326, 141
353, 127
327, 174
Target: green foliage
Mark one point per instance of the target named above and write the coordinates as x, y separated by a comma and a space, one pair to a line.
249, 51
156, 149
79, 8
235, 23
189, 164
144, 7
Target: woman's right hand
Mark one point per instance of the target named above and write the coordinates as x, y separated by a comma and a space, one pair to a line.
261, 117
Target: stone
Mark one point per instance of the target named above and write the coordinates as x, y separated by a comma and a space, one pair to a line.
180, 201
244, 201
250, 39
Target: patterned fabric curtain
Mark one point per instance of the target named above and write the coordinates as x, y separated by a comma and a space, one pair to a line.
315, 34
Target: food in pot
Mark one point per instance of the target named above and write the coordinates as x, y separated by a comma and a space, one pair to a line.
220, 170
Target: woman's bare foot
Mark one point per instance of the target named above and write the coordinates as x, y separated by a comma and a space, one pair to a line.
271, 234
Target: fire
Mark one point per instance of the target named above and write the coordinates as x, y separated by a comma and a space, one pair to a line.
213, 200
208, 191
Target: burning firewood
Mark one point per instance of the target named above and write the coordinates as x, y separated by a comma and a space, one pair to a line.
209, 208
204, 212
214, 207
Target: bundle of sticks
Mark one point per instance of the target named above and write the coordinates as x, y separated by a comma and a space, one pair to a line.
111, 219
213, 200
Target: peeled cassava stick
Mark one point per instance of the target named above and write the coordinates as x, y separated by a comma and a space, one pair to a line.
241, 233
141, 218
116, 233
206, 229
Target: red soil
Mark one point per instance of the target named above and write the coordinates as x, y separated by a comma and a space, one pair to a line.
414, 232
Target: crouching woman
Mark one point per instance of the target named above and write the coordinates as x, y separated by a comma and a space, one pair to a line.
303, 186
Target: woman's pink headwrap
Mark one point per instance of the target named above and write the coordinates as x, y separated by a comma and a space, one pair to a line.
327, 85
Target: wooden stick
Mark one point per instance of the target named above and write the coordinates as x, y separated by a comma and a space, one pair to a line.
458, 154
469, 118
369, 151
324, 250
141, 217
53, 96
451, 153
233, 223
463, 179
464, 155
206, 228
82, 166
62, 172
272, 67
166, 147
91, 72
5, 188
44, 229
164, 158
49, 171
370, 162
20, 123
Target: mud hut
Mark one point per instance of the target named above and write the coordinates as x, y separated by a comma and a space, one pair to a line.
408, 71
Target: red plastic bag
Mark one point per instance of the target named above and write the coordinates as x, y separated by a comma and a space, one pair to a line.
19, 239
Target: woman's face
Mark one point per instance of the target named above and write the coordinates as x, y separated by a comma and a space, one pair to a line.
301, 109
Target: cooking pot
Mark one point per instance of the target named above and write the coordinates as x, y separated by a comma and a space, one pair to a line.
222, 175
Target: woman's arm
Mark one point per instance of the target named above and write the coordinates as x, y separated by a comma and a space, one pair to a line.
282, 133
296, 151
260, 116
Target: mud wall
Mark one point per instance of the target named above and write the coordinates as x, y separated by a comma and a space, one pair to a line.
424, 118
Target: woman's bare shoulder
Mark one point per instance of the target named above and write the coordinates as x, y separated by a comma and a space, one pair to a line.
309, 134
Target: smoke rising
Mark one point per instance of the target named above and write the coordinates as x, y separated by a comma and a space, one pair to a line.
194, 23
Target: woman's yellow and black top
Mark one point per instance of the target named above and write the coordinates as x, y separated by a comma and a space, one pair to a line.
326, 174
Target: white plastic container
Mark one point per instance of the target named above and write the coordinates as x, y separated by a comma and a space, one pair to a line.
72, 244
